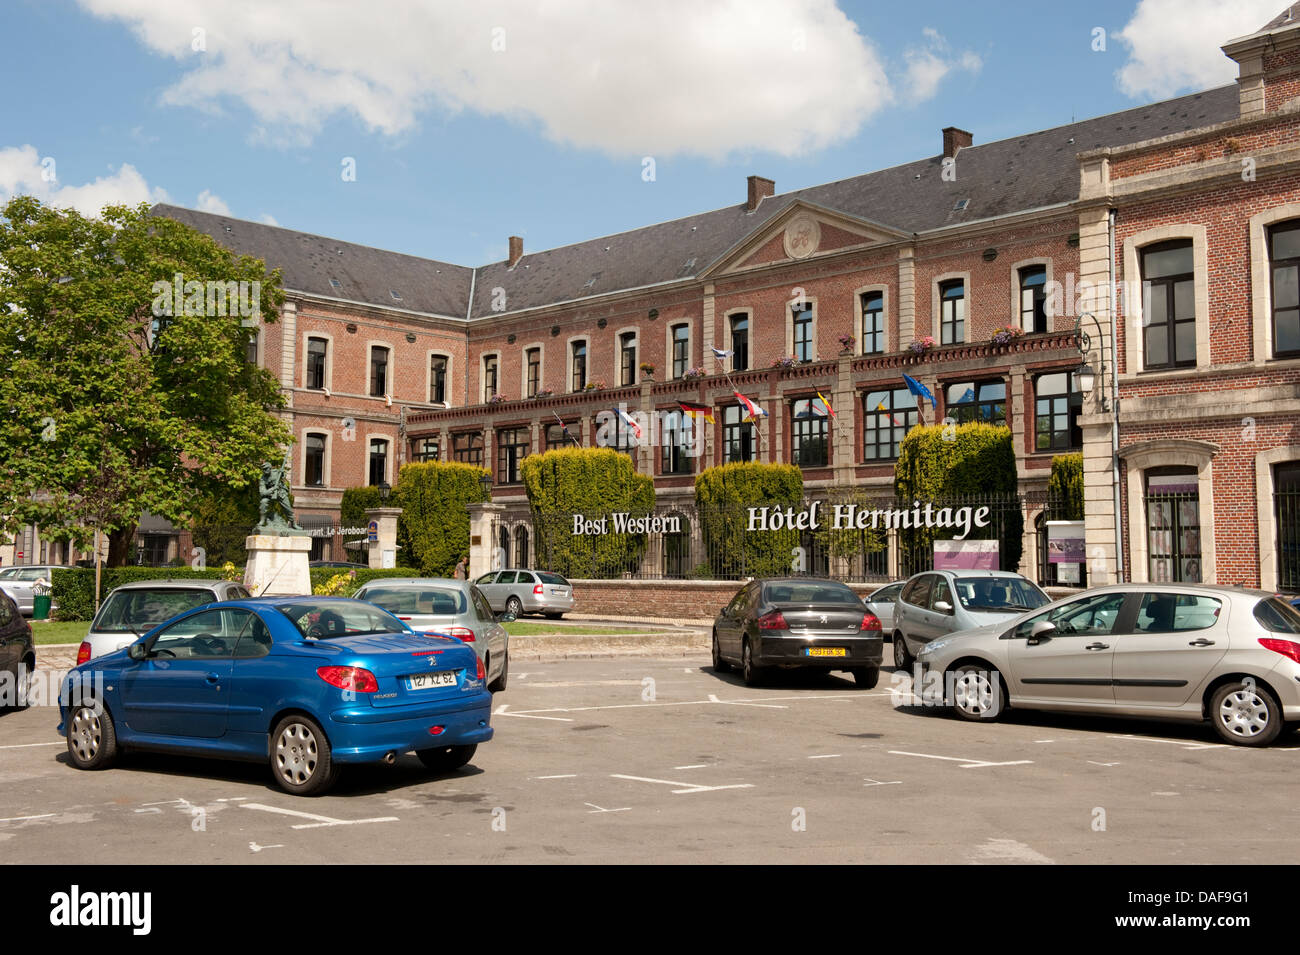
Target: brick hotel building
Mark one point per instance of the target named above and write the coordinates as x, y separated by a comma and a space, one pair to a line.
1190, 432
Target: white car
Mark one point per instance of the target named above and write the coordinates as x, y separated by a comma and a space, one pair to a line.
132, 609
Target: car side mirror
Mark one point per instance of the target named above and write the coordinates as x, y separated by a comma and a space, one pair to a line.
1044, 628
942, 606
136, 651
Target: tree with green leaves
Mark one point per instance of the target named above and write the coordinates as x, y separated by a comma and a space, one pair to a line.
128, 387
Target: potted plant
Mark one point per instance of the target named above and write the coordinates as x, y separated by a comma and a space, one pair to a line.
692, 373
544, 393
789, 361
847, 344
922, 345
1005, 335
647, 369
496, 399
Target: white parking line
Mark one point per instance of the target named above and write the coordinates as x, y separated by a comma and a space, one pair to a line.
44, 815
757, 701
1095, 763
882, 782
693, 766
689, 787
1185, 744
965, 763
827, 756
320, 820
30, 745
769, 706
558, 776
501, 711
596, 809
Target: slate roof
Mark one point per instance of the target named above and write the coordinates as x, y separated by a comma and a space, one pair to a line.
1013, 175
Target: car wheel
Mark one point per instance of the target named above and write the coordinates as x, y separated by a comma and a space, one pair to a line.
902, 659
752, 673
977, 693
866, 677
446, 758
92, 738
300, 757
1246, 714
514, 606
719, 665
499, 684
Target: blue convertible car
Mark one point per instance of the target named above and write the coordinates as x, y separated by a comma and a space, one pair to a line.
306, 682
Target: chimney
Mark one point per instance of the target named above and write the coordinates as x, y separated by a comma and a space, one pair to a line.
955, 139
516, 250
759, 189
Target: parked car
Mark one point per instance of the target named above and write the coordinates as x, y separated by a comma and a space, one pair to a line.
131, 609
881, 603
797, 622
308, 683
21, 580
939, 602
527, 591
453, 607
1177, 651
17, 653
342, 564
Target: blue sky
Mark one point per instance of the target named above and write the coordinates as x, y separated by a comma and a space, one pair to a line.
536, 120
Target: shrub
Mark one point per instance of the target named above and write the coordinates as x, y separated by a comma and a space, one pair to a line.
1065, 487
723, 496
433, 530
74, 587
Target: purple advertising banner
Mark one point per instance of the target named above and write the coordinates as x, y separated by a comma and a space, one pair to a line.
965, 555
1065, 543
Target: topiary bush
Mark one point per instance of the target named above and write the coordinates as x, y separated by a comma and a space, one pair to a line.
433, 531
1065, 487
723, 496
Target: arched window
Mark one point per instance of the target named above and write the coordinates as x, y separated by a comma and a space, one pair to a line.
521, 547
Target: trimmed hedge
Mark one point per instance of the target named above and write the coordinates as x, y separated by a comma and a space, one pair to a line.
433, 530
1065, 487
594, 483
723, 495
975, 461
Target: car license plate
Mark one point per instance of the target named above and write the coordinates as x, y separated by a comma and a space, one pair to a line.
826, 651
428, 681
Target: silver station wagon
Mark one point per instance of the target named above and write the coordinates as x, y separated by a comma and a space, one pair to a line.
527, 591
1176, 651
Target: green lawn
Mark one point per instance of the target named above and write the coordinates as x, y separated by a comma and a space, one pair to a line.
54, 631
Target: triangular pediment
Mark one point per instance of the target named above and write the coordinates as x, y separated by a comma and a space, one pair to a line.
803, 231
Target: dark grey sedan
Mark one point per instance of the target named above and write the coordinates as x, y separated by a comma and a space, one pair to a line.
798, 622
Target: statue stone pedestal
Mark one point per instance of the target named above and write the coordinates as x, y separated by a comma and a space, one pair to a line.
277, 565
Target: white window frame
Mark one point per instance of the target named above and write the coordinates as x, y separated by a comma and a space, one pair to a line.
1261, 285
811, 300
668, 346
388, 458
326, 461
429, 356
936, 304
329, 361
1015, 293
523, 367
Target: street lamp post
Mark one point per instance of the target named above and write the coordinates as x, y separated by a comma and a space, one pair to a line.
1085, 377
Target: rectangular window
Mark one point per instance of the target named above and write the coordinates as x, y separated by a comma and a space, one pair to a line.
1033, 298
1168, 306
681, 336
737, 435
316, 352
1173, 525
438, 379
562, 434
740, 342
315, 462
1286, 497
467, 448
808, 445
533, 363
425, 449
887, 417
578, 360
378, 462
512, 448
1284, 256
378, 372
952, 312
801, 316
1057, 404
983, 401
625, 438
489, 377
627, 358
873, 323
678, 439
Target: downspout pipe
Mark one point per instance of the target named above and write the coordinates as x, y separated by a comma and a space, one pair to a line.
1114, 399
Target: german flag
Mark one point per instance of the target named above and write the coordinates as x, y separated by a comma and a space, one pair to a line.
698, 412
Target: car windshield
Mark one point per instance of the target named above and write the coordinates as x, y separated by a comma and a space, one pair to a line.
1278, 616
998, 593
440, 601
138, 610
548, 578
332, 619
794, 592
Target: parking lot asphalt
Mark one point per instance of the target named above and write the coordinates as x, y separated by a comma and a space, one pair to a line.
661, 760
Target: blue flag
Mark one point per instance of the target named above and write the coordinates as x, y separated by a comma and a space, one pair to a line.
918, 389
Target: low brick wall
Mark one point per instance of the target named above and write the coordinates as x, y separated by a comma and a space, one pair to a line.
679, 599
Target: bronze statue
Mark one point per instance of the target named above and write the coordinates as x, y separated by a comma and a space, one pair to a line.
275, 508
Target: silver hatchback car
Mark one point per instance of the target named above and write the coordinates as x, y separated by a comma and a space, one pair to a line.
527, 591
132, 609
1171, 651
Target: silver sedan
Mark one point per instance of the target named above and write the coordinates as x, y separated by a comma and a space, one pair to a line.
1169, 651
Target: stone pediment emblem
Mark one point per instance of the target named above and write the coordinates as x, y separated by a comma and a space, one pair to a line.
802, 236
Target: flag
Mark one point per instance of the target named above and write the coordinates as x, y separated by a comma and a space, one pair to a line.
967, 395
720, 353
698, 412
631, 423
827, 405
918, 389
752, 411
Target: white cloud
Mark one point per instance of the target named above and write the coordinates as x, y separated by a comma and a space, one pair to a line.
1174, 44
269, 219
23, 171
928, 65
705, 77
210, 202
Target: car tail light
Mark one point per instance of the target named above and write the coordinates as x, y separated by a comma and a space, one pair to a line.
1288, 648
773, 620
463, 634
870, 622
349, 678
539, 589
83, 652
436, 730
482, 674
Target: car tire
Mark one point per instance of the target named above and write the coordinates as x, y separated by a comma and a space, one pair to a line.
515, 606
751, 672
902, 658
866, 678
1245, 714
719, 665
978, 693
92, 737
499, 684
301, 761
443, 759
